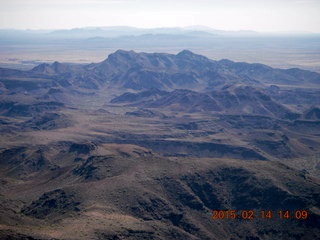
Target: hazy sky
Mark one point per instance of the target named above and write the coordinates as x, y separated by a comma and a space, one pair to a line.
259, 15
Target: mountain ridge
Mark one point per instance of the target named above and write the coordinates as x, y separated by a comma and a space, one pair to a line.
136, 70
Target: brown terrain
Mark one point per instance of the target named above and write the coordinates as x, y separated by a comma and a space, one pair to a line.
146, 145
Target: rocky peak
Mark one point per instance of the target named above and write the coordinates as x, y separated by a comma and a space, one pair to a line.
121, 55
54, 68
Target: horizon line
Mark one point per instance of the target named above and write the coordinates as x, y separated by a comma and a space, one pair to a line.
189, 27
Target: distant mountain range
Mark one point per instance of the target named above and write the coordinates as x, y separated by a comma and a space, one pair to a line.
138, 71
100, 33
118, 31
